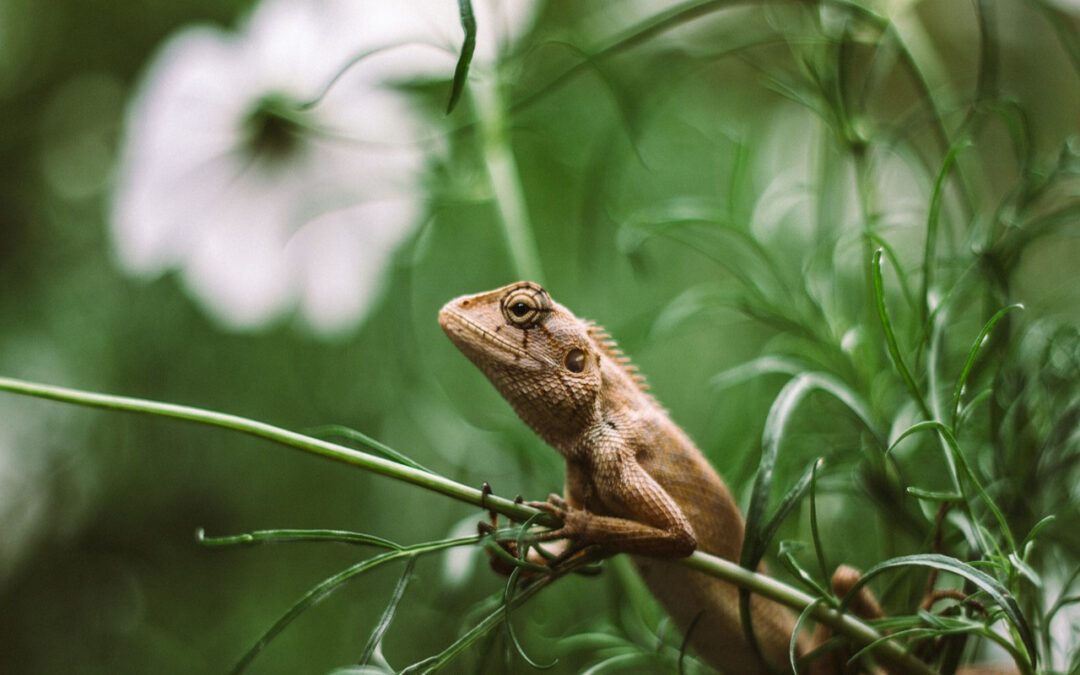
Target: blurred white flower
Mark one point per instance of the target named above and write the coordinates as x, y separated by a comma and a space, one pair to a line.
264, 205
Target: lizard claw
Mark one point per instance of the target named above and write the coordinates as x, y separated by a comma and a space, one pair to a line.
555, 505
571, 519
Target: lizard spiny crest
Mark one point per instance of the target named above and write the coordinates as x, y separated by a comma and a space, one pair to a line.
607, 344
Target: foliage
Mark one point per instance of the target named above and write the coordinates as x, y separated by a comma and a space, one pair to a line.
855, 223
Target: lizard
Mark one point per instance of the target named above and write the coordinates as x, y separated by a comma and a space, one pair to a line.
635, 482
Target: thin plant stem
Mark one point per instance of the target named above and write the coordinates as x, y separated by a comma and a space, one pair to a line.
505, 180
332, 451
726, 570
769, 587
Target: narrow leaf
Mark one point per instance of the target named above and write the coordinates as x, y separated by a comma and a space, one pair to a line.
388, 613
974, 352
758, 531
793, 645
327, 586
788, 503
763, 365
787, 559
277, 536
933, 495
385, 450
959, 460
815, 534
508, 596
984, 582
309, 599
468, 46
929, 256
755, 539
1036, 529
890, 337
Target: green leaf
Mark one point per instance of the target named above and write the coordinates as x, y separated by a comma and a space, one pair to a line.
934, 495
890, 337
793, 644
974, 352
786, 556
788, 503
984, 582
388, 613
468, 46
758, 530
783, 407
890, 253
815, 534
289, 535
508, 597
702, 225
324, 588
383, 449
929, 257
1036, 529
1026, 570
763, 365
628, 662
958, 460
308, 600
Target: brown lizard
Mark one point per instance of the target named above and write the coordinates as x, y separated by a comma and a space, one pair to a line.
635, 482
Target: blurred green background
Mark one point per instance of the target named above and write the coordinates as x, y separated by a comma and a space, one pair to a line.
706, 186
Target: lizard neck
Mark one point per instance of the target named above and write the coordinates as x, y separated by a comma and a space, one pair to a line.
620, 400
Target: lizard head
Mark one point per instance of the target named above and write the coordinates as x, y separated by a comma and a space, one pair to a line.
540, 357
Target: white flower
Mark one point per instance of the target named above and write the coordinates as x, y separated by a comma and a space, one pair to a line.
265, 206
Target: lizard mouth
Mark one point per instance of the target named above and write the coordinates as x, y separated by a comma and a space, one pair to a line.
470, 336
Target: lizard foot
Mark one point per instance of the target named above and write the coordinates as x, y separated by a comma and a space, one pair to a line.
574, 521
500, 559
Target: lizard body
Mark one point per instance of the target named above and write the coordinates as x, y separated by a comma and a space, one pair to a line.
635, 482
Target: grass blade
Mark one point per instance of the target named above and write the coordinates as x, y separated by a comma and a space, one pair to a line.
775, 425
491, 621
815, 534
763, 365
984, 582
468, 46
758, 530
327, 586
308, 600
789, 502
383, 449
508, 597
890, 337
929, 255
276, 536
972, 354
959, 460
794, 644
388, 613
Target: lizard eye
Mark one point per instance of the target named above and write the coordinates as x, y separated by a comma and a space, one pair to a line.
525, 305
575, 360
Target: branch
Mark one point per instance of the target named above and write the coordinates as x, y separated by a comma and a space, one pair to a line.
726, 570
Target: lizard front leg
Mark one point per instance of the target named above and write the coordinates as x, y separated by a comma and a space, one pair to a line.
622, 508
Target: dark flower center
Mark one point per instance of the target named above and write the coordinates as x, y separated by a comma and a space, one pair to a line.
274, 127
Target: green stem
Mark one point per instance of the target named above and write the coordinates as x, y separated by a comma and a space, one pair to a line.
338, 453
506, 181
846, 624
709, 564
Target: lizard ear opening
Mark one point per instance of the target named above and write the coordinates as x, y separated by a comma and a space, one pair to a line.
575, 360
